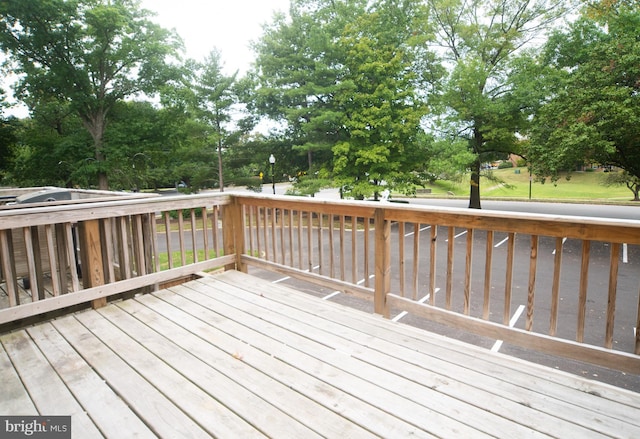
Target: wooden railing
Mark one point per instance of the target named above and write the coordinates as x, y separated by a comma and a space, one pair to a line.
469, 269
56, 256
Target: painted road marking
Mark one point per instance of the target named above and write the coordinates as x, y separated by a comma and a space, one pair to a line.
498, 344
421, 230
563, 241
501, 242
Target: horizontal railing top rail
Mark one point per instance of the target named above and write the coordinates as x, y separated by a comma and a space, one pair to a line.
52, 214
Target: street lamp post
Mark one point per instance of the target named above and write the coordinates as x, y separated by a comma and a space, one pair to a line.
272, 160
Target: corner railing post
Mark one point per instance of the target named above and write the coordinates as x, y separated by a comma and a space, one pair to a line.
91, 257
382, 263
233, 233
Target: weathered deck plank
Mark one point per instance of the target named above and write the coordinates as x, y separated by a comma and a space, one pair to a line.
48, 393
232, 355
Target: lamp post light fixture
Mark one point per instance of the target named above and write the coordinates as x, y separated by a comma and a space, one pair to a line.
272, 160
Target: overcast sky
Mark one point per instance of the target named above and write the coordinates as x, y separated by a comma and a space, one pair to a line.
228, 25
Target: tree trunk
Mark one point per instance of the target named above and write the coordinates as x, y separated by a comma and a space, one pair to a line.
474, 196
95, 124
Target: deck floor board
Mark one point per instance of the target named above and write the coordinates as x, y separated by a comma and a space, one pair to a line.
232, 355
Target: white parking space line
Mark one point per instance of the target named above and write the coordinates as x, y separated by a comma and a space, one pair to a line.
458, 235
404, 313
625, 254
501, 242
563, 241
421, 230
498, 344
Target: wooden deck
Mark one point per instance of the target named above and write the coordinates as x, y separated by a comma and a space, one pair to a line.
232, 355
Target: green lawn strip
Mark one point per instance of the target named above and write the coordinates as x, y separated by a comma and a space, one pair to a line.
177, 260
581, 186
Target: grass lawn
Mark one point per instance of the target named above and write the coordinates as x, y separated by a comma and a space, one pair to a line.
581, 186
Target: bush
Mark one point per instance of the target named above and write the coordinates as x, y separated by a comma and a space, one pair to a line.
252, 183
505, 165
186, 213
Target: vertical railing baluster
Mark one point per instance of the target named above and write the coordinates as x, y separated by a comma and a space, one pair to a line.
300, 226
107, 227
34, 267
215, 229
416, 259
354, 249
61, 256
283, 248
450, 255
309, 240
290, 230
533, 263
265, 230
401, 258
342, 253
183, 250
432, 264
367, 249
194, 233
555, 288
167, 228
72, 256
274, 244
508, 283
468, 272
9, 266
53, 260
205, 232
611, 297
488, 265
248, 214
582, 294
332, 262
320, 244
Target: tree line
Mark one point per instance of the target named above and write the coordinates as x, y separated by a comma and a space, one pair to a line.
358, 94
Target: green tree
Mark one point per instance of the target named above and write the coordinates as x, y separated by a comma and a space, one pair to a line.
299, 71
380, 104
8, 127
481, 42
214, 96
593, 111
88, 54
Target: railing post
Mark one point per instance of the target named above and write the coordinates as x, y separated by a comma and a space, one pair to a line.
91, 257
382, 263
233, 234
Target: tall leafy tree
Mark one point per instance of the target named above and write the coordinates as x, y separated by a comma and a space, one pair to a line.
479, 41
214, 96
88, 54
299, 67
593, 108
380, 102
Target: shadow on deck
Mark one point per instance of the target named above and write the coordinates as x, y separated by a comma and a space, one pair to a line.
232, 355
